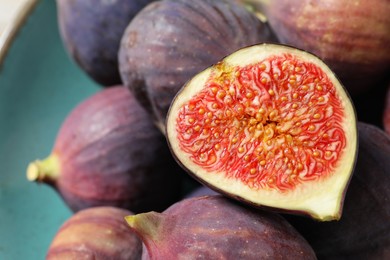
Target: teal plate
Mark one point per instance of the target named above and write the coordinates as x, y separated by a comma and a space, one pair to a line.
39, 86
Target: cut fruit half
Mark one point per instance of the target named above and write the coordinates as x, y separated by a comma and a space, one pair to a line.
269, 125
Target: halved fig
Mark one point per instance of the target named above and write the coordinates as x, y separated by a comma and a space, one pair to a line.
269, 125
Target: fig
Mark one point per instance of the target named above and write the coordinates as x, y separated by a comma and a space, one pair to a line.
170, 41
213, 227
201, 191
91, 31
363, 231
269, 125
96, 233
108, 152
352, 37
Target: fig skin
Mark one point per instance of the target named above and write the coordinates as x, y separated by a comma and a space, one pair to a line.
352, 37
213, 227
96, 233
108, 152
201, 191
91, 31
170, 41
363, 231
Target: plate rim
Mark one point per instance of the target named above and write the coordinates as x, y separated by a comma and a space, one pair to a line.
13, 26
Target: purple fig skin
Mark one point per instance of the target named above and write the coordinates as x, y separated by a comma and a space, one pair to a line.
91, 31
214, 227
108, 152
96, 233
363, 231
201, 191
170, 41
352, 37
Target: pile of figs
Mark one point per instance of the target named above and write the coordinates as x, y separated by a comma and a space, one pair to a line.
225, 129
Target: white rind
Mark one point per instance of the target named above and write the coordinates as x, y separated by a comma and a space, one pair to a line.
320, 199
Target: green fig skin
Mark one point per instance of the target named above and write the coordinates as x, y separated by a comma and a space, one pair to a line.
170, 41
363, 231
96, 233
108, 152
214, 227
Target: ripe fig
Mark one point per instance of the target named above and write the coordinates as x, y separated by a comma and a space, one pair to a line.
96, 233
352, 37
201, 191
269, 125
91, 31
109, 152
213, 227
170, 41
363, 231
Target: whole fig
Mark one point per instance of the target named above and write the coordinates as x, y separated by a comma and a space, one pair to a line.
363, 231
91, 31
352, 37
109, 152
96, 233
170, 41
213, 227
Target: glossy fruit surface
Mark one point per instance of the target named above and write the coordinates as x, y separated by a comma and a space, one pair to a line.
213, 227
270, 125
108, 152
96, 233
91, 31
170, 41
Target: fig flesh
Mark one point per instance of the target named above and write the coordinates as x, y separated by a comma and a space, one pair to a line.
352, 37
270, 125
213, 227
108, 152
91, 31
363, 231
96, 233
170, 41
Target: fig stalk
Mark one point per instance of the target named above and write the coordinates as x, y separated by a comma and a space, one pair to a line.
146, 225
46, 170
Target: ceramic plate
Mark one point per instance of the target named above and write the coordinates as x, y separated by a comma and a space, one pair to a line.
39, 86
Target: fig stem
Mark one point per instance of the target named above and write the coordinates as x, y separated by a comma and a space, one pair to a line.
258, 7
46, 170
147, 225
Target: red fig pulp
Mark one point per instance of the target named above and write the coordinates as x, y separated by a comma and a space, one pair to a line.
96, 233
108, 152
213, 227
270, 125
